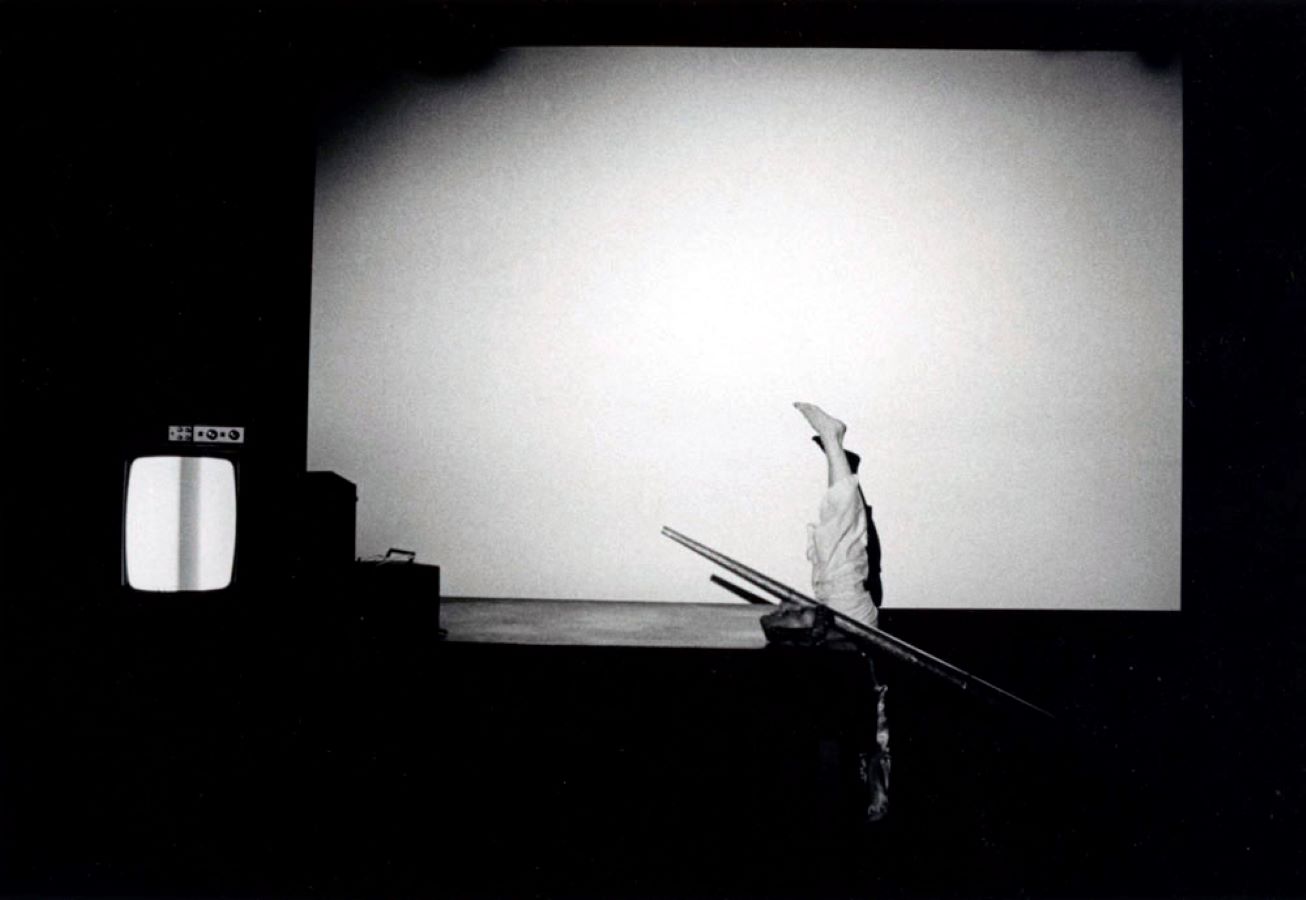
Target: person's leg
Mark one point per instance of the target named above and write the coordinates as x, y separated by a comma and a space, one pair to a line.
853, 459
836, 545
831, 431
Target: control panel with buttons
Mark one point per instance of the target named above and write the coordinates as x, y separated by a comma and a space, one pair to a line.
207, 434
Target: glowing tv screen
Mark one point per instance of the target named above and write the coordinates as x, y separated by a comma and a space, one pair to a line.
179, 531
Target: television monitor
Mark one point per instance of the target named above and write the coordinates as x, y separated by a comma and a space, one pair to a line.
180, 518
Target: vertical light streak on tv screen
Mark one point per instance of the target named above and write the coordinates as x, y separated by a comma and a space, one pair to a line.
569, 296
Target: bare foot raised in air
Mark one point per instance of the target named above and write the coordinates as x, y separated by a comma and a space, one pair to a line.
827, 427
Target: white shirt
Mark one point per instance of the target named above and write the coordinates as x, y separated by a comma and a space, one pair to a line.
836, 548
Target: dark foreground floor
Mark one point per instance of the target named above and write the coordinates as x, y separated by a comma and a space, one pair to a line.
187, 759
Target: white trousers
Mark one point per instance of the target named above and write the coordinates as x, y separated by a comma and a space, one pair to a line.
836, 548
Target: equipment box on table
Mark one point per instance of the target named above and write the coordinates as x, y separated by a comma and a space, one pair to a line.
403, 594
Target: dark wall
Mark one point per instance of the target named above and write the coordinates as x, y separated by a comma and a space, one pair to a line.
157, 182
1245, 307
158, 226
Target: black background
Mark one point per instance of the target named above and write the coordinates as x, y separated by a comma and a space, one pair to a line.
157, 177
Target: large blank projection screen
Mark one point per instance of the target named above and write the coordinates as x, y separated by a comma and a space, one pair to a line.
569, 298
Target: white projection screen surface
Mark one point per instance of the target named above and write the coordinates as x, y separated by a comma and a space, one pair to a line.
569, 298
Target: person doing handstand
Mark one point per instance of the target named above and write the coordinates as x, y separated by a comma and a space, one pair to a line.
844, 551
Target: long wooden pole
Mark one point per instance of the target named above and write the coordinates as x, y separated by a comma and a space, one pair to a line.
882, 640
